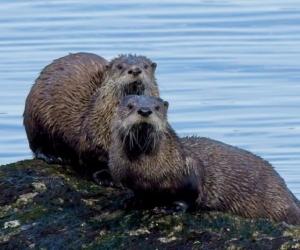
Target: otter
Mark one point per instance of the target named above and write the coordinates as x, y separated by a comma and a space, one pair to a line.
69, 108
148, 157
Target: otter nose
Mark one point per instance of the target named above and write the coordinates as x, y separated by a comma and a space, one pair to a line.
135, 71
145, 112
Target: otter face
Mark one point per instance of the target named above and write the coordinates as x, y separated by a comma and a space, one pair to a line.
141, 122
132, 75
134, 109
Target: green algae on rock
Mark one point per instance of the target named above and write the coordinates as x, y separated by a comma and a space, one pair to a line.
50, 207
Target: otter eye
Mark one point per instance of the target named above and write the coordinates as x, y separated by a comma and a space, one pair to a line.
130, 106
145, 66
157, 108
119, 66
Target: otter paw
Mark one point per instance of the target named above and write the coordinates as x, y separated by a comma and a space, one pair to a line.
48, 158
180, 206
103, 178
175, 207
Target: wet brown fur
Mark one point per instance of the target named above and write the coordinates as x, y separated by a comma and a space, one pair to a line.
68, 110
224, 177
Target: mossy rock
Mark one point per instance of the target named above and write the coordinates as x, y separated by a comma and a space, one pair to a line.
49, 207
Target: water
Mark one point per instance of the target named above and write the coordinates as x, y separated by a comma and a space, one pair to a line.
230, 69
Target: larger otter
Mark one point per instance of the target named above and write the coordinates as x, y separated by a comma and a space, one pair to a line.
147, 156
68, 110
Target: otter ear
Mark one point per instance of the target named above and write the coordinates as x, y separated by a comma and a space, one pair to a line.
153, 65
107, 66
118, 103
166, 104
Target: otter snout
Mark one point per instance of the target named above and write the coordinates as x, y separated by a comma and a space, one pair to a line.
134, 71
145, 112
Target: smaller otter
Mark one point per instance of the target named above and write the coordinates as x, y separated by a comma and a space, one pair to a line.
148, 157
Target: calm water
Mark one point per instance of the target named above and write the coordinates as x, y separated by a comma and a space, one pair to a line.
230, 69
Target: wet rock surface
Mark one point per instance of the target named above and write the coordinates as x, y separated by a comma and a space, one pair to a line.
50, 207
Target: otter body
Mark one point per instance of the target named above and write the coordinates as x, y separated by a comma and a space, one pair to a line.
69, 108
147, 156
240, 182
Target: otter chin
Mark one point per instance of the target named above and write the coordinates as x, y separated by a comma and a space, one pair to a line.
134, 88
139, 139
148, 157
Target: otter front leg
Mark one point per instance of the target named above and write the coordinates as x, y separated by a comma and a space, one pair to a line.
93, 163
195, 179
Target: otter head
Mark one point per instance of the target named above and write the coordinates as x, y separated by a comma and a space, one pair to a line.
140, 123
132, 75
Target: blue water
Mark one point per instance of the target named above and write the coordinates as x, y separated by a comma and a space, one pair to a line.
230, 69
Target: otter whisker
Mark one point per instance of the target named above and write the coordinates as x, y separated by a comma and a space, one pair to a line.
153, 140
148, 141
125, 137
134, 140
137, 139
131, 140
140, 143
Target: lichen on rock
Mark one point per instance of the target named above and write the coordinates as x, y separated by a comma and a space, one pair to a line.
50, 207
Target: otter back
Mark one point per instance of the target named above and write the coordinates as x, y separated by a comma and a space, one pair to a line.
53, 109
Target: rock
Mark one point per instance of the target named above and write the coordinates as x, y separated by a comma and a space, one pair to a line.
25, 198
39, 186
50, 207
11, 224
